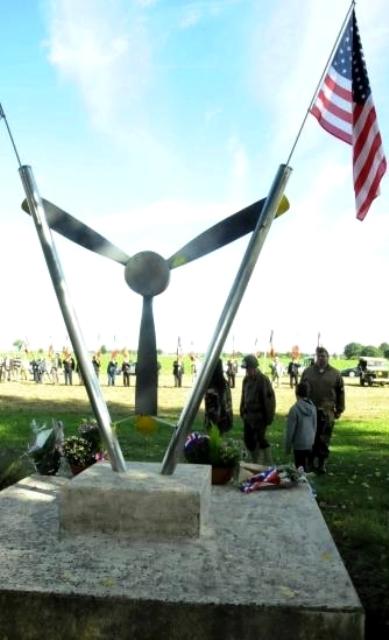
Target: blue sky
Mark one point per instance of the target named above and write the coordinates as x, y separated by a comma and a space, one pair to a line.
151, 120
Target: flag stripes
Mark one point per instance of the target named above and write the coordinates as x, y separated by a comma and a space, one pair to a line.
344, 107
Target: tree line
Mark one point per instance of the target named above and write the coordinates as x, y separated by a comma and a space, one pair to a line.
356, 350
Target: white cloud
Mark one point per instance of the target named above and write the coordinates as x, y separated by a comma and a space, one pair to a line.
103, 51
191, 16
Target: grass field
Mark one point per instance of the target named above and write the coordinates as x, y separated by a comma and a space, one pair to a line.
354, 496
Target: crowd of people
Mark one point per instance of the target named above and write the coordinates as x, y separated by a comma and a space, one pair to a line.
57, 368
320, 400
310, 421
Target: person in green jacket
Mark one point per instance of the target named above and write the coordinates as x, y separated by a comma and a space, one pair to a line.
326, 390
257, 408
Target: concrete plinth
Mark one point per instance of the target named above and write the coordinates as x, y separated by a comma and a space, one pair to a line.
264, 567
140, 503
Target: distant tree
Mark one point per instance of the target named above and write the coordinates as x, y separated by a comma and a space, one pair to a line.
18, 344
371, 351
384, 348
353, 350
386, 353
103, 349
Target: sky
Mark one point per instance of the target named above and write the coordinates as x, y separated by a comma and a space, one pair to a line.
150, 121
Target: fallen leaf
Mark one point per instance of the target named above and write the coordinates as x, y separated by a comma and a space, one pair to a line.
286, 591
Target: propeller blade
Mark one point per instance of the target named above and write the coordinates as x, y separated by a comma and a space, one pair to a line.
223, 233
146, 389
78, 232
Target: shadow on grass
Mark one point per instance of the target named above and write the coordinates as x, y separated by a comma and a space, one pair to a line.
79, 407
17, 415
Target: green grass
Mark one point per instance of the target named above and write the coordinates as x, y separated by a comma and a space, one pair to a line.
353, 497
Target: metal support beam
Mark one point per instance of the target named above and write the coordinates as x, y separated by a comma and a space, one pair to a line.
52, 260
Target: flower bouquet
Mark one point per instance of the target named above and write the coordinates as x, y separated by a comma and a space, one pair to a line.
277, 477
45, 452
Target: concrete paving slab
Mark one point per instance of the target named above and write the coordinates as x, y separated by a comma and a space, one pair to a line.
265, 567
140, 503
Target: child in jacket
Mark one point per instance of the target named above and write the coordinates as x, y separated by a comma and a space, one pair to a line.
301, 426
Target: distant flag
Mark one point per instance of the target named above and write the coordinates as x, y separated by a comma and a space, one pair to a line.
344, 107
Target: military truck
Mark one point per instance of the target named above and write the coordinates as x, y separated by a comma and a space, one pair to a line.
373, 371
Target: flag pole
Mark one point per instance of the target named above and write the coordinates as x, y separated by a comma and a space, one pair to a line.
2, 115
92, 386
350, 9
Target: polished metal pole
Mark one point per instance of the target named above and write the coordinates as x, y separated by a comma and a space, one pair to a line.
52, 260
231, 306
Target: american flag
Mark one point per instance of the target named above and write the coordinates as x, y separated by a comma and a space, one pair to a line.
344, 107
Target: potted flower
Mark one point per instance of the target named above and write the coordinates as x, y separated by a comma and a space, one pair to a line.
85, 448
221, 453
78, 452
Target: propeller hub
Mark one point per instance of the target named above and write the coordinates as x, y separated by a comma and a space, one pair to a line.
147, 273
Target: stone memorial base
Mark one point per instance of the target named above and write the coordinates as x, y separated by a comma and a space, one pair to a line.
140, 503
265, 566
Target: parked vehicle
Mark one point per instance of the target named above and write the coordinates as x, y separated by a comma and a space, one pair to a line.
351, 372
374, 371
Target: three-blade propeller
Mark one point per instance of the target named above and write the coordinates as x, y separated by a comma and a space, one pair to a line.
148, 274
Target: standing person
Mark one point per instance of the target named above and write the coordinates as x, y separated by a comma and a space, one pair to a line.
96, 364
111, 371
276, 370
293, 372
231, 372
178, 371
175, 373
68, 367
218, 401
257, 409
326, 390
126, 368
301, 426
36, 370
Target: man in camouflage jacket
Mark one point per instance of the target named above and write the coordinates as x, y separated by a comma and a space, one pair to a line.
326, 390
